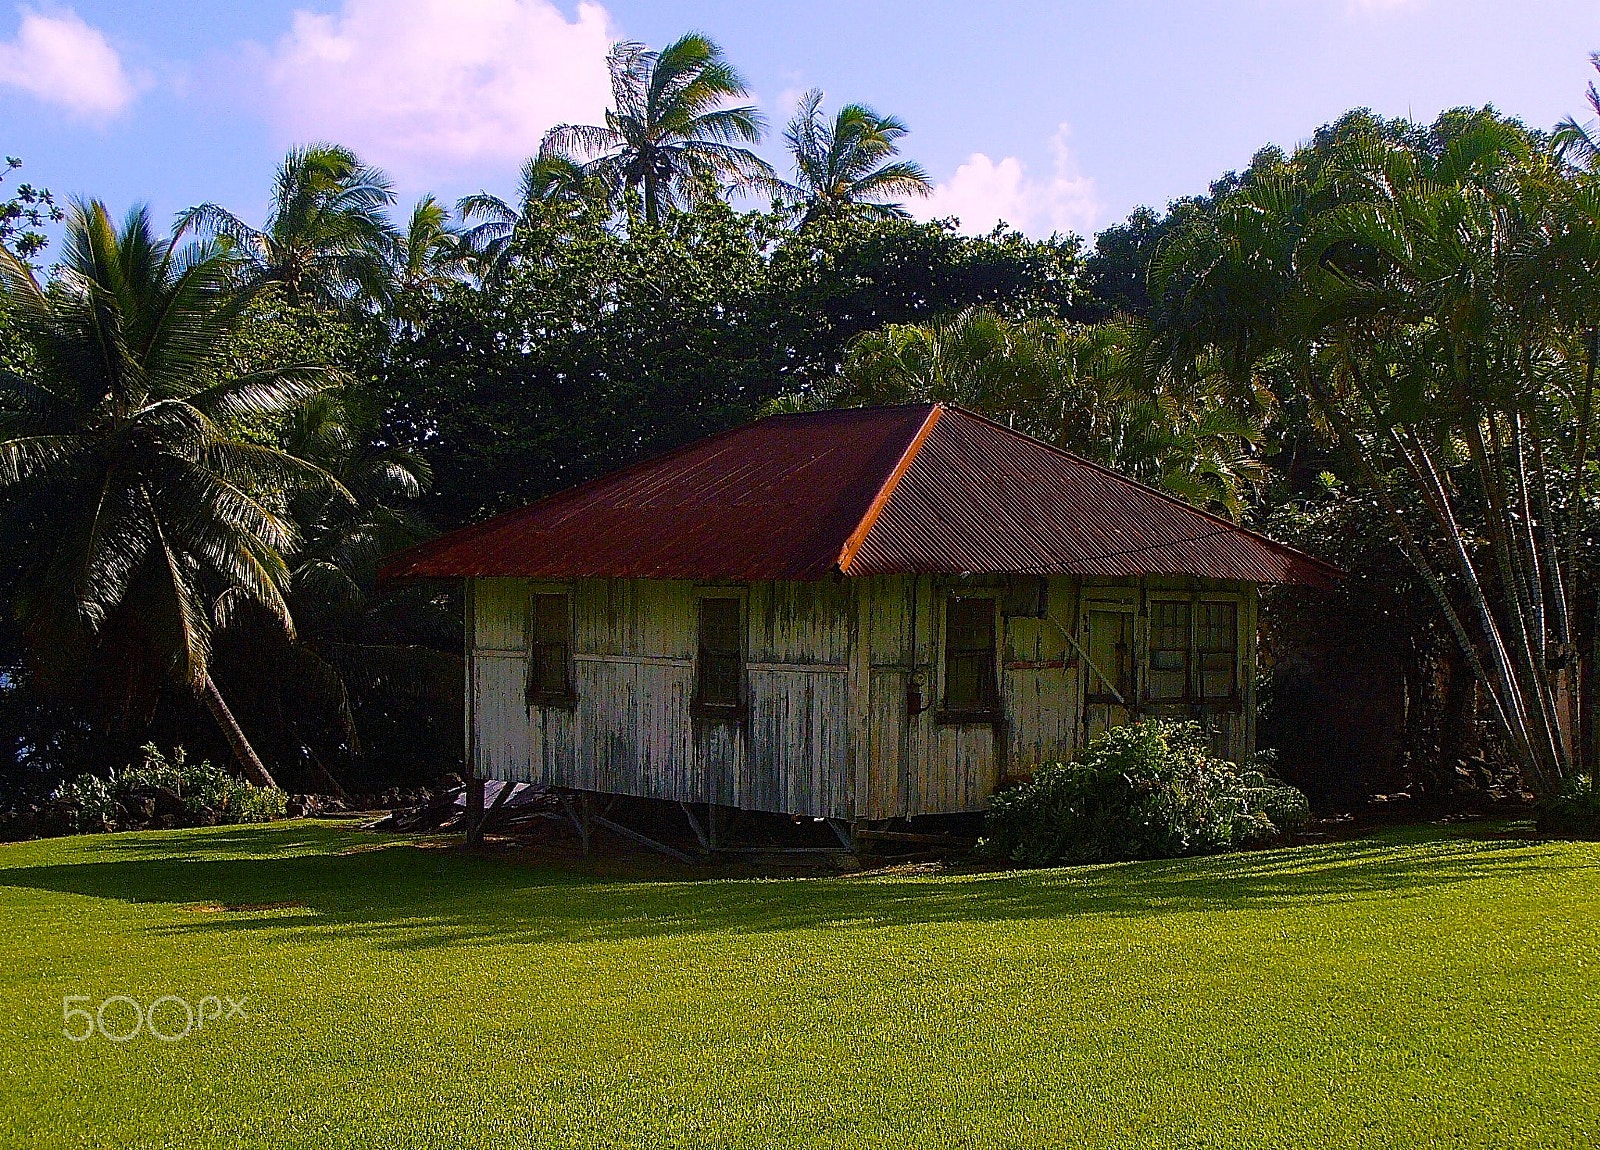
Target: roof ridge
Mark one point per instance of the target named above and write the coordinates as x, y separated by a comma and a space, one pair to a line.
853, 543
1143, 486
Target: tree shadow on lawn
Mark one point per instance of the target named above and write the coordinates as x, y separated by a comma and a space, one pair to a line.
408, 895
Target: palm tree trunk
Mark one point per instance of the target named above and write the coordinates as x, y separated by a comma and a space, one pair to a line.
254, 769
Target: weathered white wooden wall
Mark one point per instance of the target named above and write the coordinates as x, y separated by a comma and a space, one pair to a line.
827, 732
920, 764
632, 730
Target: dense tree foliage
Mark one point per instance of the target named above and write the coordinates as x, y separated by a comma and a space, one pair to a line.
134, 507
599, 346
1382, 346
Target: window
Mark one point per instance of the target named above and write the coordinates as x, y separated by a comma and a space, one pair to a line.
970, 680
1216, 636
1194, 651
1169, 649
549, 678
721, 666
1027, 597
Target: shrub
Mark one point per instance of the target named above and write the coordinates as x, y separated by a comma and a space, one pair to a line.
183, 792
1149, 790
1573, 810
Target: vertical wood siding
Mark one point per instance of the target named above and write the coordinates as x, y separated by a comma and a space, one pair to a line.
1039, 683
826, 731
632, 730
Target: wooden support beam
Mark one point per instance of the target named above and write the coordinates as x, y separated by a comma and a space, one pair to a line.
494, 809
842, 833
579, 820
694, 825
830, 852
912, 837
474, 819
643, 840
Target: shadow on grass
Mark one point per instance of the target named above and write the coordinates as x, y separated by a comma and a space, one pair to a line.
408, 895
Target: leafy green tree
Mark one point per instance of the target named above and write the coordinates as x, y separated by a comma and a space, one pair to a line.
326, 241
1434, 298
357, 663
1091, 390
553, 192
25, 214
848, 165
140, 518
671, 135
598, 346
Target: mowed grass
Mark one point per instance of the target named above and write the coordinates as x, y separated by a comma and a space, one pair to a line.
1420, 988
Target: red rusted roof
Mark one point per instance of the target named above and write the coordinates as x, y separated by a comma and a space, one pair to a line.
860, 491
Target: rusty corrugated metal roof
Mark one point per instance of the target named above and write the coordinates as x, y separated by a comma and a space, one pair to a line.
860, 491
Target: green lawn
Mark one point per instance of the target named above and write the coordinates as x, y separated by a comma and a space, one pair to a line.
1422, 988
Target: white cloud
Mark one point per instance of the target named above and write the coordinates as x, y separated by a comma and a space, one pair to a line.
983, 191
62, 60
410, 82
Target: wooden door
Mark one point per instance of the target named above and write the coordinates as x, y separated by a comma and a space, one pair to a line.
1108, 682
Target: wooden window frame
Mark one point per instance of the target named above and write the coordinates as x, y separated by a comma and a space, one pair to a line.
1234, 693
699, 706
1192, 694
1151, 648
565, 699
992, 710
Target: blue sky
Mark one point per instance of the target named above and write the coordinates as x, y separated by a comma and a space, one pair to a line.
1053, 115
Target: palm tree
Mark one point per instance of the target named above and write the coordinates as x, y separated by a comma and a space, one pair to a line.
149, 518
552, 186
326, 239
1578, 140
849, 165
352, 653
429, 256
1096, 391
671, 135
1436, 302
976, 358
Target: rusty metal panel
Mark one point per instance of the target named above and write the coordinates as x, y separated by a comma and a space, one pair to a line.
774, 499
860, 491
979, 497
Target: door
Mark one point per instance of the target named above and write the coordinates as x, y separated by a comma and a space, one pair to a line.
1108, 681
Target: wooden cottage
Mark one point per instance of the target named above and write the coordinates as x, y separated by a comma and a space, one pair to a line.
861, 614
